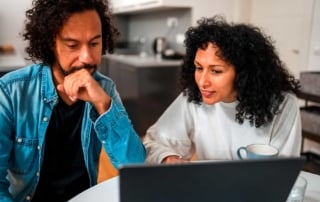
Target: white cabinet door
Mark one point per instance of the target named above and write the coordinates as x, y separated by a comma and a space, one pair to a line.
134, 6
289, 24
116, 3
146, 2
120, 6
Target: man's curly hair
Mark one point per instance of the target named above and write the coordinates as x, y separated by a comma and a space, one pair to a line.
46, 18
261, 77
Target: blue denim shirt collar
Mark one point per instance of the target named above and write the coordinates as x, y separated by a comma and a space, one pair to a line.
48, 90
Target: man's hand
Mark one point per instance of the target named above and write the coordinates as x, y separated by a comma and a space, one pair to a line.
80, 85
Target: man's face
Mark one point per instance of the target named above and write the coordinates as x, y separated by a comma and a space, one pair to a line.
79, 43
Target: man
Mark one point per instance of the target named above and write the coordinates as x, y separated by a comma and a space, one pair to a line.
57, 113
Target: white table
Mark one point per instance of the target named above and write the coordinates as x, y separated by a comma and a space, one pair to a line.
109, 190
313, 187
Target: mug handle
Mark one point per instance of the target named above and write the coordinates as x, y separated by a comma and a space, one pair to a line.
239, 151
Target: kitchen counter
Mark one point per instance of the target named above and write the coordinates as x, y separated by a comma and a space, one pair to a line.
9, 62
147, 85
143, 61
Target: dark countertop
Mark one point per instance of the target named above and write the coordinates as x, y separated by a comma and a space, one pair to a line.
143, 61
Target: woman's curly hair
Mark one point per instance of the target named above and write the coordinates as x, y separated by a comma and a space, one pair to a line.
261, 77
46, 18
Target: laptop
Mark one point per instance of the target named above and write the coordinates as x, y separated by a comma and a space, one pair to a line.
261, 180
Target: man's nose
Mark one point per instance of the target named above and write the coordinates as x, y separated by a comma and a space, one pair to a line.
86, 55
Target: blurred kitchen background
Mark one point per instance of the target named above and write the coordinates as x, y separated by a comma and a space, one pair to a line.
146, 82
293, 24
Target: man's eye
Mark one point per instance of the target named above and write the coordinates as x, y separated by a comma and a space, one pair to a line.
94, 44
72, 46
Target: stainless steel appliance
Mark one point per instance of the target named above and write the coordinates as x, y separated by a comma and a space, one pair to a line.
159, 45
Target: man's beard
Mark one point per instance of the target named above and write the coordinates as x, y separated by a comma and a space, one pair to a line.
76, 68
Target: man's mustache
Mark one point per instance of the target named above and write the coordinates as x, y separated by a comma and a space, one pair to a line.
76, 68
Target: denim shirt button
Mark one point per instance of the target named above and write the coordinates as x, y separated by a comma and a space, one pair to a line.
45, 119
38, 147
28, 198
19, 140
38, 174
103, 142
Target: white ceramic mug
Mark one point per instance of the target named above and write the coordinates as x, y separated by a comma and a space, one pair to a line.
257, 151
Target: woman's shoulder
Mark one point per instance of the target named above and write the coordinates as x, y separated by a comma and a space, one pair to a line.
290, 101
290, 97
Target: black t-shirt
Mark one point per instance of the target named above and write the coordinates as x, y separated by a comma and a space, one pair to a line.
63, 173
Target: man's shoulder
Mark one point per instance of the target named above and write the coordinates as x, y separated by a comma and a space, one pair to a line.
24, 73
103, 79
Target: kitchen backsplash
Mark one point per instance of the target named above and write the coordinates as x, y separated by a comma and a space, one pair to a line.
138, 31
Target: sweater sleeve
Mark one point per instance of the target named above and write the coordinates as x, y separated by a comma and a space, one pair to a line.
286, 129
170, 135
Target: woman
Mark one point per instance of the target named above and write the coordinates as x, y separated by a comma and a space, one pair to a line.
236, 91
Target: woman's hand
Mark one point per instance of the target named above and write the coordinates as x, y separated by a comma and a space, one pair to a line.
174, 159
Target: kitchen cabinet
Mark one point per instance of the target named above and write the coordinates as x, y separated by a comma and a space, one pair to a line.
146, 86
310, 115
310, 112
129, 6
310, 120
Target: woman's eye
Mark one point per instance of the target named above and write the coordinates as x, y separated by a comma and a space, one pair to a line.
216, 71
198, 68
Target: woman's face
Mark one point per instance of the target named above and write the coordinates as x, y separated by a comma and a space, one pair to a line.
214, 77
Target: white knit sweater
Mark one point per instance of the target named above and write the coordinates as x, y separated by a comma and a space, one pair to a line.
212, 132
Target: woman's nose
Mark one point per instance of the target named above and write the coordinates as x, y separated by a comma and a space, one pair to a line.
204, 80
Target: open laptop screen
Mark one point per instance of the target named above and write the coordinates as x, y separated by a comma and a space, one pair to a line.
262, 180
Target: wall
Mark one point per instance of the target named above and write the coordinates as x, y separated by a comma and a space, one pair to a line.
12, 15
288, 22
233, 10
314, 49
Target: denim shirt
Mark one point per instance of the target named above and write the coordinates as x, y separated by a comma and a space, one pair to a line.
28, 96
